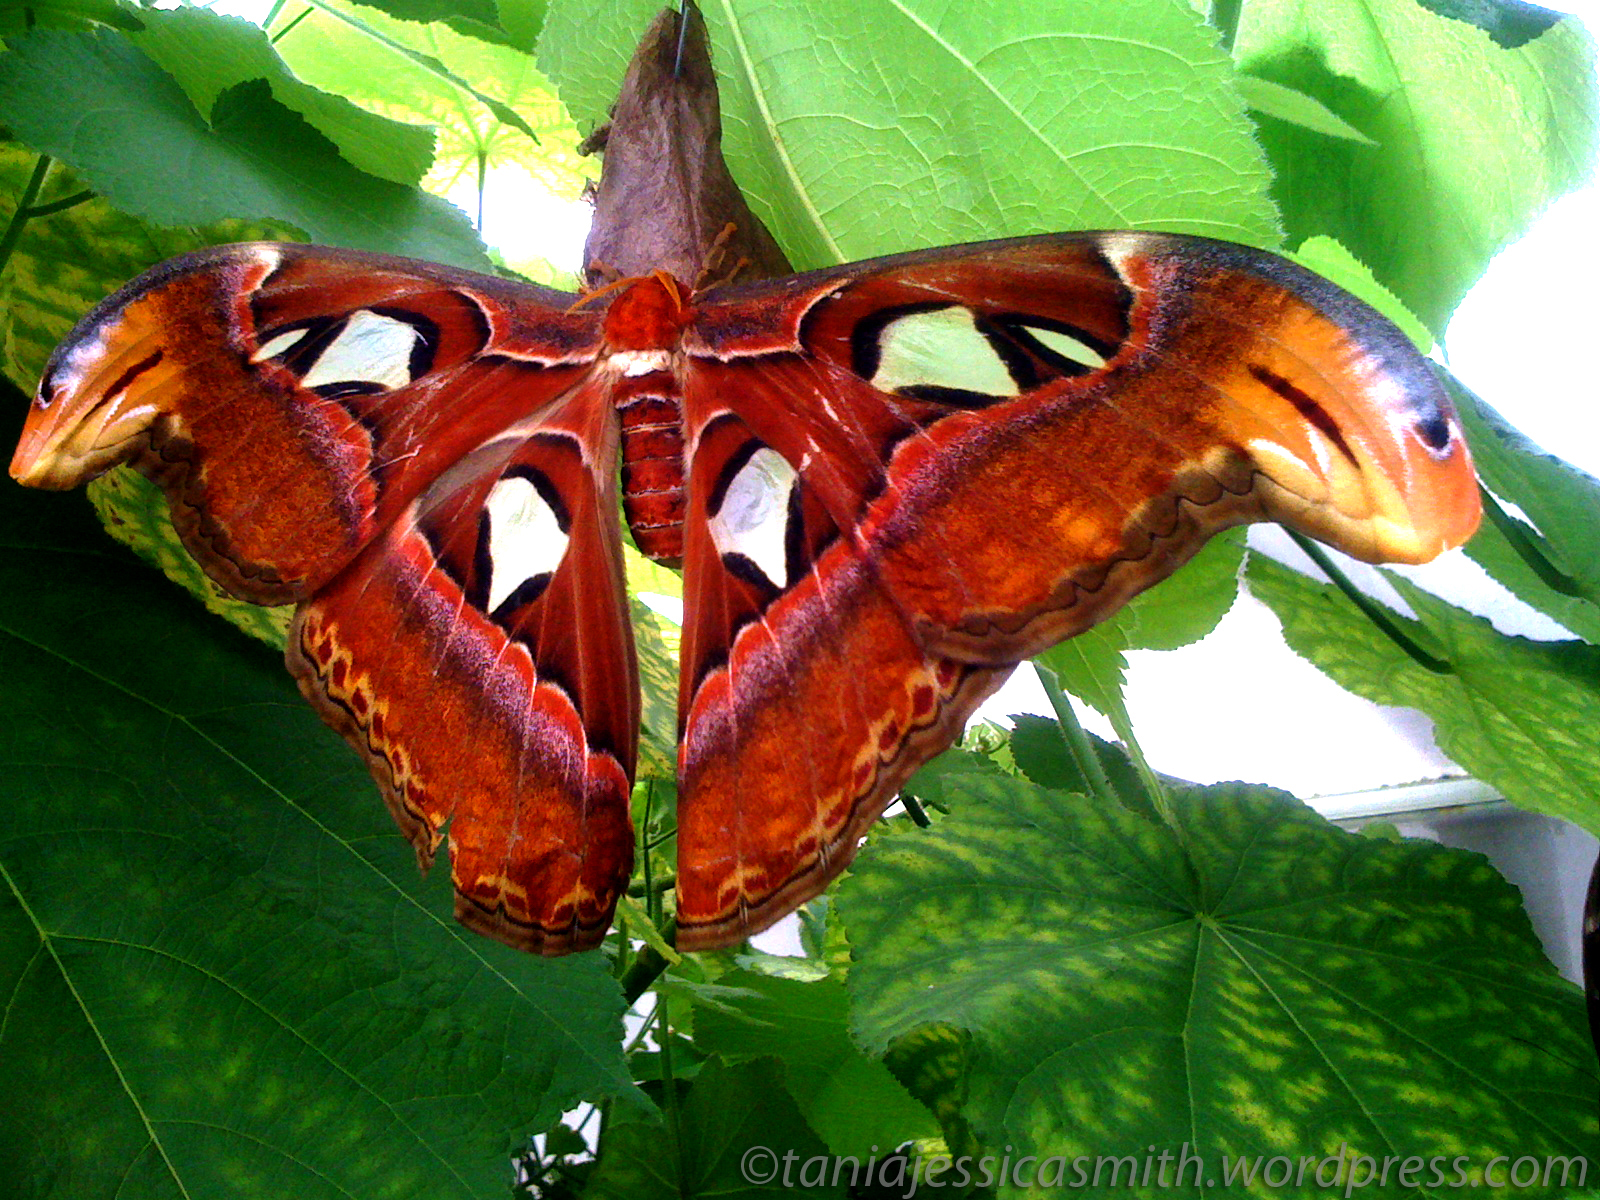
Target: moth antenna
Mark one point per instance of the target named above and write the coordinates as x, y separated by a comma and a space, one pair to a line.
683, 36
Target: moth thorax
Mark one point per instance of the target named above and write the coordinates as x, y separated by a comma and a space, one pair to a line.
649, 314
653, 490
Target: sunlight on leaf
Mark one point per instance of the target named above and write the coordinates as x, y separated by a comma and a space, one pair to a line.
1121, 993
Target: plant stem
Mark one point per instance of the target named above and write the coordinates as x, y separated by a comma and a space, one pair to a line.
61, 205
669, 1083
1160, 798
660, 887
633, 1043
1515, 532
24, 211
1078, 743
1377, 613
284, 32
483, 164
646, 967
914, 810
650, 899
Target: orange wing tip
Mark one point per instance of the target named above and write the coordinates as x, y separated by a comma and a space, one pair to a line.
99, 396
95, 403
1391, 503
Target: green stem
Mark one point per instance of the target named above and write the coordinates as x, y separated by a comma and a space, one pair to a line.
914, 810
646, 967
1160, 798
662, 885
483, 163
632, 1043
1078, 743
24, 210
669, 1083
61, 205
284, 32
1529, 551
1377, 613
651, 901
656, 843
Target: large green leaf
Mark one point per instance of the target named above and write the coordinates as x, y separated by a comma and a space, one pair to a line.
1554, 564
208, 54
513, 22
860, 129
851, 1101
727, 1137
428, 73
223, 975
96, 102
1469, 140
1268, 986
1521, 715
64, 14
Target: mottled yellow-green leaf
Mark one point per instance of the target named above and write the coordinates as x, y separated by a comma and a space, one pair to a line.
1521, 715
1270, 985
135, 512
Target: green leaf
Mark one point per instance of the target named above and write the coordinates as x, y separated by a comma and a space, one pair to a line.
96, 102
852, 1102
65, 14
1471, 140
223, 974
934, 781
846, 157
1511, 23
1388, 996
513, 22
208, 54
1331, 260
1180, 611
402, 45
1521, 715
1285, 104
427, 73
1043, 756
932, 1062
732, 1130
584, 50
67, 262
1092, 667
1562, 502
1175, 613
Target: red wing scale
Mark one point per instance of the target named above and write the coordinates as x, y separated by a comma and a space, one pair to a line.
409, 452
292, 400
888, 483
478, 655
909, 474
